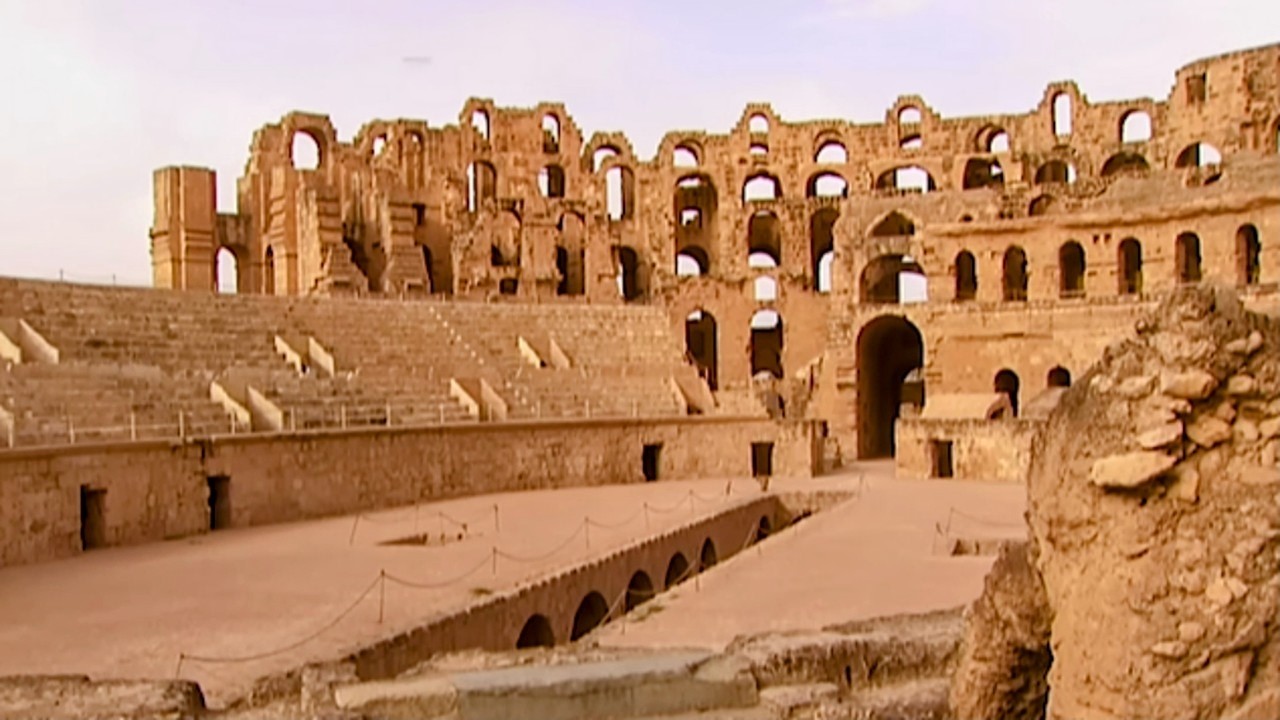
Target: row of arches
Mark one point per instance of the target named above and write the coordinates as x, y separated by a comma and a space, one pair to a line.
594, 610
765, 347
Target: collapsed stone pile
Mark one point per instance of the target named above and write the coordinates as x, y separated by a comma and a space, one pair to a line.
1150, 584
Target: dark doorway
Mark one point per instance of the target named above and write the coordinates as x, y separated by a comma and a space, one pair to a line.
1071, 267
508, 286
219, 502
592, 611
1130, 260
93, 521
536, 633
639, 590
1007, 382
966, 276
707, 558
764, 528
1187, 256
1248, 255
766, 343
761, 459
940, 453
629, 273
650, 461
889, 349
1015, 274
1059, 377
701, 343
677, 571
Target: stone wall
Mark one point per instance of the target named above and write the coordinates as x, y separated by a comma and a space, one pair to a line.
157, 490
980, 449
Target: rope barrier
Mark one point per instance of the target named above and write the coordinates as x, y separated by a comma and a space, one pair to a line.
984, 520
673, 508
612, 526
417, 585
183, 657
544, 556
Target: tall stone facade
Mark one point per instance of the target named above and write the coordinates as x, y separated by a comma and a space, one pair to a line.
782, 247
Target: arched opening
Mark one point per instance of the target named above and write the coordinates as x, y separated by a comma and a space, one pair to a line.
1199, 154
766, 289
890, 348
1041, 205
694, 204
764, 237
551, 181
1248, 255
1071, 267
1061, 114
1015, 274
226, 271
428, 269
550, 134
893, 225
827, 185
911, 142
692, 262
831, 152
1056, 171
1059, 377
620, 192
998, 142
379, 144
536, 633
269, 272
909, 115
602, 153
482, 184
766, 343
966, 276
983, 172
702, 344
304, 151
1186, 252
906, 179
1125, 163
821, 247
1007, 384
758, 124
707, 558
758, 149
892, 279
591, 613
764, 528
1129, 262
639, 590
627, 260
480, 121
684, 157
1135, 127
761, 187
677, 571
571, 275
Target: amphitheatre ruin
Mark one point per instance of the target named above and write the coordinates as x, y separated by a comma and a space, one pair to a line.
930, 417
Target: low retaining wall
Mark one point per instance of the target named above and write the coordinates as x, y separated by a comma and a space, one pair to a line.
161, 489
980, 449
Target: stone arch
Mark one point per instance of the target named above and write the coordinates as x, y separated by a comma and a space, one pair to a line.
631, 275
758, 123
677, 571
692, 261
620, 192
1056, 171
1248, 255
480, 123
1135, 127
980, 172
702, 345
1042, 205
991, 139
1062, 112
536, 632
966, 276
1071, 269
550, 133
766, 343
269, 271
482, 184
890, 348
822, 246
571, 255
695, 203
639, 590
1129, 266
551, 181
592, 612
1127, 163
906, 178
707, 557
601, 155
685, 155
306, 150
226, 271
1015, 274
1007, 383
893, 225
827, 184
1198, 154
1058, 376
1186, 253
761, 186
764, 235
909, 115
881, 279
831, 152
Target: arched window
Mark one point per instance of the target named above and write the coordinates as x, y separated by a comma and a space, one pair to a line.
758, 149
480, 121
1186, 252
304, 150
620, 193
550, 134
1008, 384
1040, 206
1056, 171
909, 179
227, 271
761, 187
1135, 127
758, 124
629, 280
379, 144
983, 172
1059, 377
551, 182
824, 271
894, 224
821, 245
1015, 274
592, 612
1129, 260
911, 142
893, 279
269, 272
1248, 255
1071, 267
536, 633
966, 276
1199, 154
1126, 163
999, 142
831, 153
827, 184
766, 343
1062, 115
482, 184
764, 240
601, 154
909, 116
701, 342
684, 157
766, 289
692, 262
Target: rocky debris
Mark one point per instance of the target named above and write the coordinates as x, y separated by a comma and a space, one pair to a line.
1154, 564
76, 697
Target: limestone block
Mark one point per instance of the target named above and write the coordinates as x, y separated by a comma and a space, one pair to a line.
1130, 470
1161, 435
1192, 385
1241, 385
1207, 431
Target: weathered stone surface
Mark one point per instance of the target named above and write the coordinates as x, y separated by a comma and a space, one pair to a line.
1190, 385
1207, 431
1241, 385
1161, 435
1130, 470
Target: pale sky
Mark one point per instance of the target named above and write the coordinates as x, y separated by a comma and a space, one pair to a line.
98, 93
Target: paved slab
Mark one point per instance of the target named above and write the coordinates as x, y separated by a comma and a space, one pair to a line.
871, 556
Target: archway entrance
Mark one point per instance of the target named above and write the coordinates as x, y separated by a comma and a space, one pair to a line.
889, 349
700, 343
